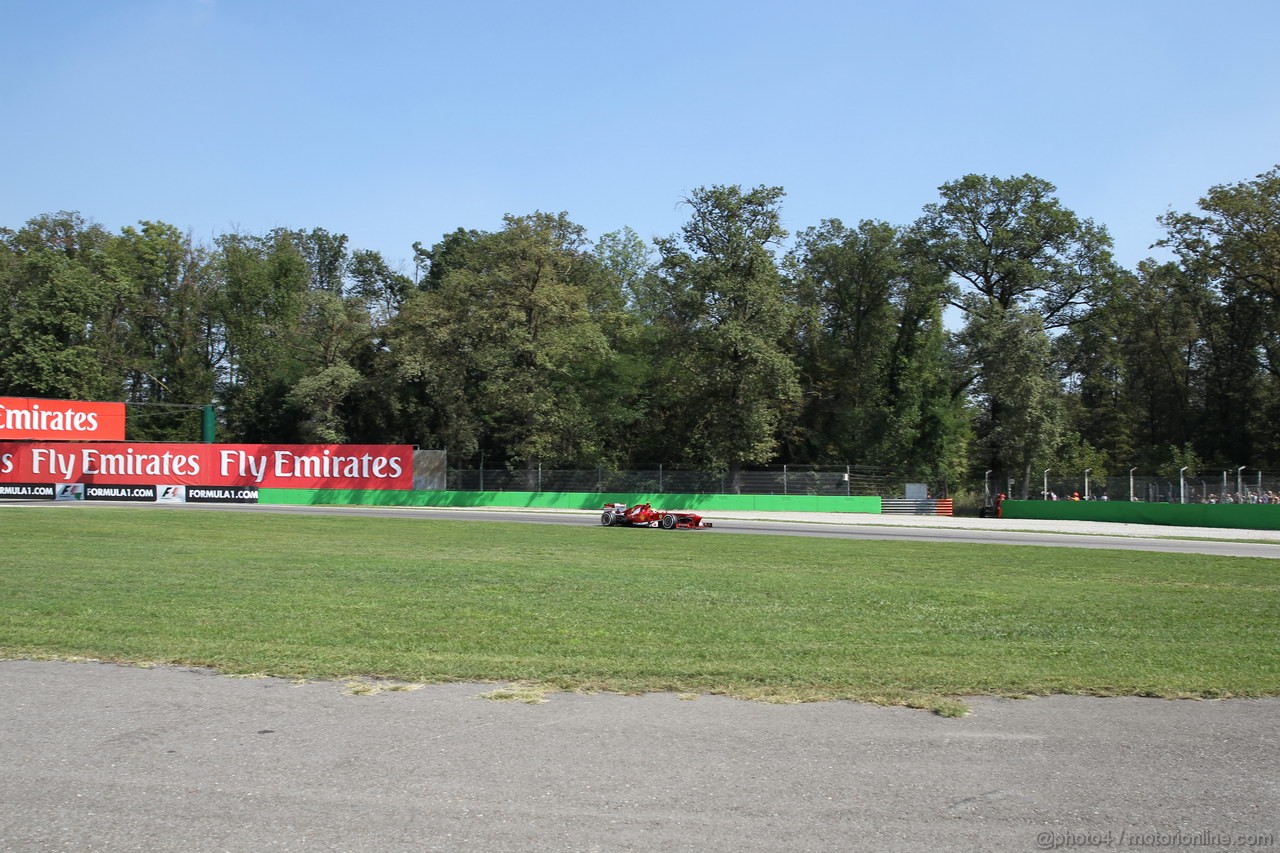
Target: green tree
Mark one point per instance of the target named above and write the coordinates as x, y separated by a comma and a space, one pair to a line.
61, 298
730, 383
460, 249
325, 255
508, 349
336, 339
300, 337
929, 425
629, 260
870, 344
1132, 366
1015, 353
265, 283
1232, 250
1180, 459
382, 289
1010, 243
1020, 261
171, 334
845, 282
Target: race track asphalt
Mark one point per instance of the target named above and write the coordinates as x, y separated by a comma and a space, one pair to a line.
99, 757
959, 529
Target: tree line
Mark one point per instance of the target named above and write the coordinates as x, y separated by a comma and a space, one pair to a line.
995, 332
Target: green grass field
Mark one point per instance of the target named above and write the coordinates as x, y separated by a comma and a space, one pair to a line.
768, 617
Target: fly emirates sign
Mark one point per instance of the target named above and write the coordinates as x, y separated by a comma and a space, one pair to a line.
60, 420
280, 466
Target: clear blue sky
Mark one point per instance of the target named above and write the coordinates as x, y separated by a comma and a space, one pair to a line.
396, 121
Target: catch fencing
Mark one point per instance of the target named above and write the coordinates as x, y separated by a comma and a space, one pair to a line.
1233, 485
1238, 485
823, 480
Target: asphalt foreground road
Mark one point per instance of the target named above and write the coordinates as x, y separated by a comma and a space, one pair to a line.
98, 757
102, 757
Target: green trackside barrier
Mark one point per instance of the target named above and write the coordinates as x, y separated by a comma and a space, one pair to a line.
1242, 516
572, 500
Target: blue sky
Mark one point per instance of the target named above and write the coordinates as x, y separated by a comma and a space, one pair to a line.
400, 121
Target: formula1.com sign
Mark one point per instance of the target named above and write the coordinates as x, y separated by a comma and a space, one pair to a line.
134, 494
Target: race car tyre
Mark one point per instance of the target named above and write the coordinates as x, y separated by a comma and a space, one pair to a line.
606, 518
668, 522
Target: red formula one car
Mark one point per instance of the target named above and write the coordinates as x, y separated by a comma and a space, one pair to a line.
643, 515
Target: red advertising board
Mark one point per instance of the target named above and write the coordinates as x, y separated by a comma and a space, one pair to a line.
282, 466
60, 420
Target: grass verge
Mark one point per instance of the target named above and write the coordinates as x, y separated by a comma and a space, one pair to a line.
782, 619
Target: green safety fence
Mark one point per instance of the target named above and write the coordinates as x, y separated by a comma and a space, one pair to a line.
1244, 516
572, 500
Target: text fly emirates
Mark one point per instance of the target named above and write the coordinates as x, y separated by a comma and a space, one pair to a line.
281, 464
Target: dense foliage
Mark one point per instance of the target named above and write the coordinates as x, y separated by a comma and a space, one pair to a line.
727, 345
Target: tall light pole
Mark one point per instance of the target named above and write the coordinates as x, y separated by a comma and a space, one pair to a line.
1182, 485
1131, 470
1239, 484
1086, 482
1044, 495
987, 480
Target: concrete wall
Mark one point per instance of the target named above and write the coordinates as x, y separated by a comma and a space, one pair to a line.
1244, 516
572, 500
